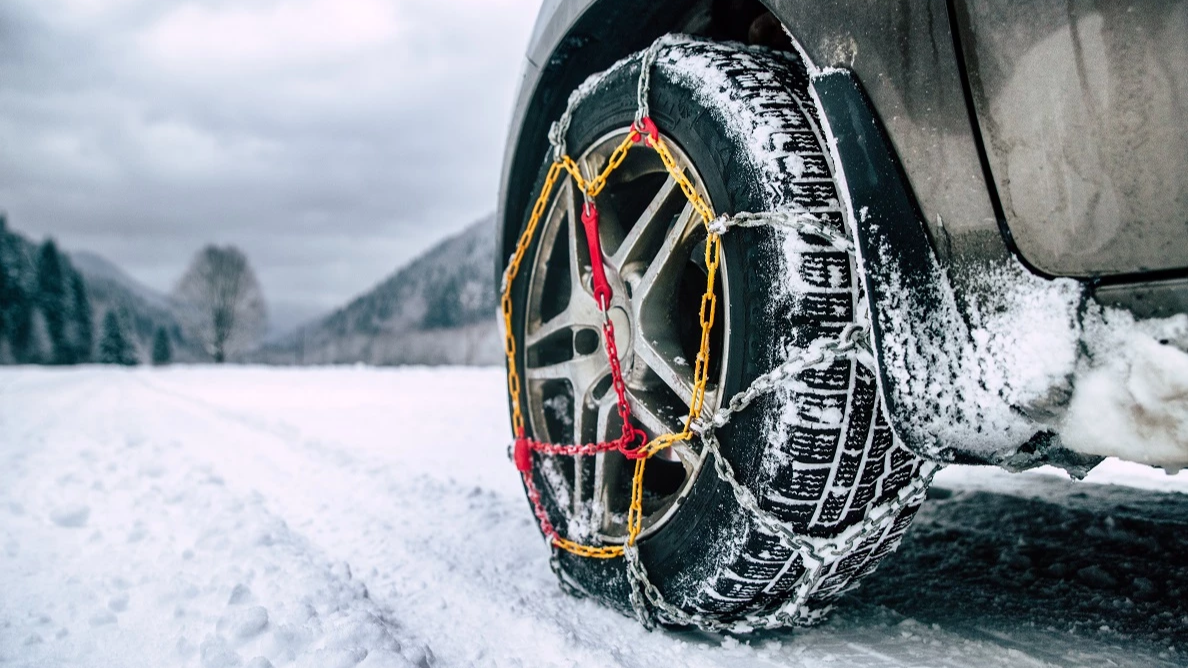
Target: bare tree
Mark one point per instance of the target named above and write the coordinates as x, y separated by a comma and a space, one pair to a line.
221, 301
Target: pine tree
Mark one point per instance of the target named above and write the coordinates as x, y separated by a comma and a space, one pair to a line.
20, 327
84, 323
114, 347
162, 348
15, 306
5, 291
38, 349
444, 309
51, 300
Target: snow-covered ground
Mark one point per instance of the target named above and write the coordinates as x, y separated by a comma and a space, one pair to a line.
341, 517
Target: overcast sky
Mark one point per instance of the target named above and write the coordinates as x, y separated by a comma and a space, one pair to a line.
332, 140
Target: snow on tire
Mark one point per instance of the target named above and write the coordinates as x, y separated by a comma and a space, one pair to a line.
818, 453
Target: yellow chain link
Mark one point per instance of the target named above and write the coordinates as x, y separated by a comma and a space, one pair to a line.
713, 252
505, 302
607, 552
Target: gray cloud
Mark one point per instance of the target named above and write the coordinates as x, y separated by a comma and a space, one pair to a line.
331, 140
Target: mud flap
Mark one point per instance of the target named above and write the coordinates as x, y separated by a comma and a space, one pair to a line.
893, 244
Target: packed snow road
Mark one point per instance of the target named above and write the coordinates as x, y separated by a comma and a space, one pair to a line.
342, 517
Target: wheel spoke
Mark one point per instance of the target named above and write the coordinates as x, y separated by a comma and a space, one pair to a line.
660, 358
559, 371
580, 410
602, 476
688, 457
663, 270
581, 417
585, 407
655, 413
578, 488
582, 314
601, 520
559, 323
579, 253
578, 370
586, 414
646, 226
607, 408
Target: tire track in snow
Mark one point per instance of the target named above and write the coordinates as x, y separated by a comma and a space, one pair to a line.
165, 549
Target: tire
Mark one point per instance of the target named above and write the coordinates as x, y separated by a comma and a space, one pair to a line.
819, 455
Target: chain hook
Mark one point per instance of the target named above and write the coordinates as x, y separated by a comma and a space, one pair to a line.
646, 131
645, 81
853, 335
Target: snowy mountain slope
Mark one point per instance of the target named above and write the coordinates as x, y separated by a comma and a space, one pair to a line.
439, 309
341, 517
97, 268
144, 310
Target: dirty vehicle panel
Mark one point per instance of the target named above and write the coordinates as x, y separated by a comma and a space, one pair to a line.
1081, 106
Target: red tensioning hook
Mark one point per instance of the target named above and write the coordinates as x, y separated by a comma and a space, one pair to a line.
522, 453
646, 129
602, 289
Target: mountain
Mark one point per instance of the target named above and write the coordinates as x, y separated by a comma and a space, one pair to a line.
98, 269
286, 315
438, 309
145, 309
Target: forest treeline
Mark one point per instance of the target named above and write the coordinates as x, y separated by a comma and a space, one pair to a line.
47, 315
51, 312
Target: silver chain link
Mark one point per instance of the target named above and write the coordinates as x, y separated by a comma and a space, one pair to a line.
560, 128
816, 556
642, 110
790, 220
821, 353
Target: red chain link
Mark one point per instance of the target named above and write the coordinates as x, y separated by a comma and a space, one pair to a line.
632, 440
546, 527
630, 433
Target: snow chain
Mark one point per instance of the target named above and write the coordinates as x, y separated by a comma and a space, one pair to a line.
816, 555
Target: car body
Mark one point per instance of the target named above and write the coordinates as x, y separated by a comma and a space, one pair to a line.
1043, 135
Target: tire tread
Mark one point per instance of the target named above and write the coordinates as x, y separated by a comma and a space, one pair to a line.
821, 478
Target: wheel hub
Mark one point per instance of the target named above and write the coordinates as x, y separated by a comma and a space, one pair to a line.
624, 327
